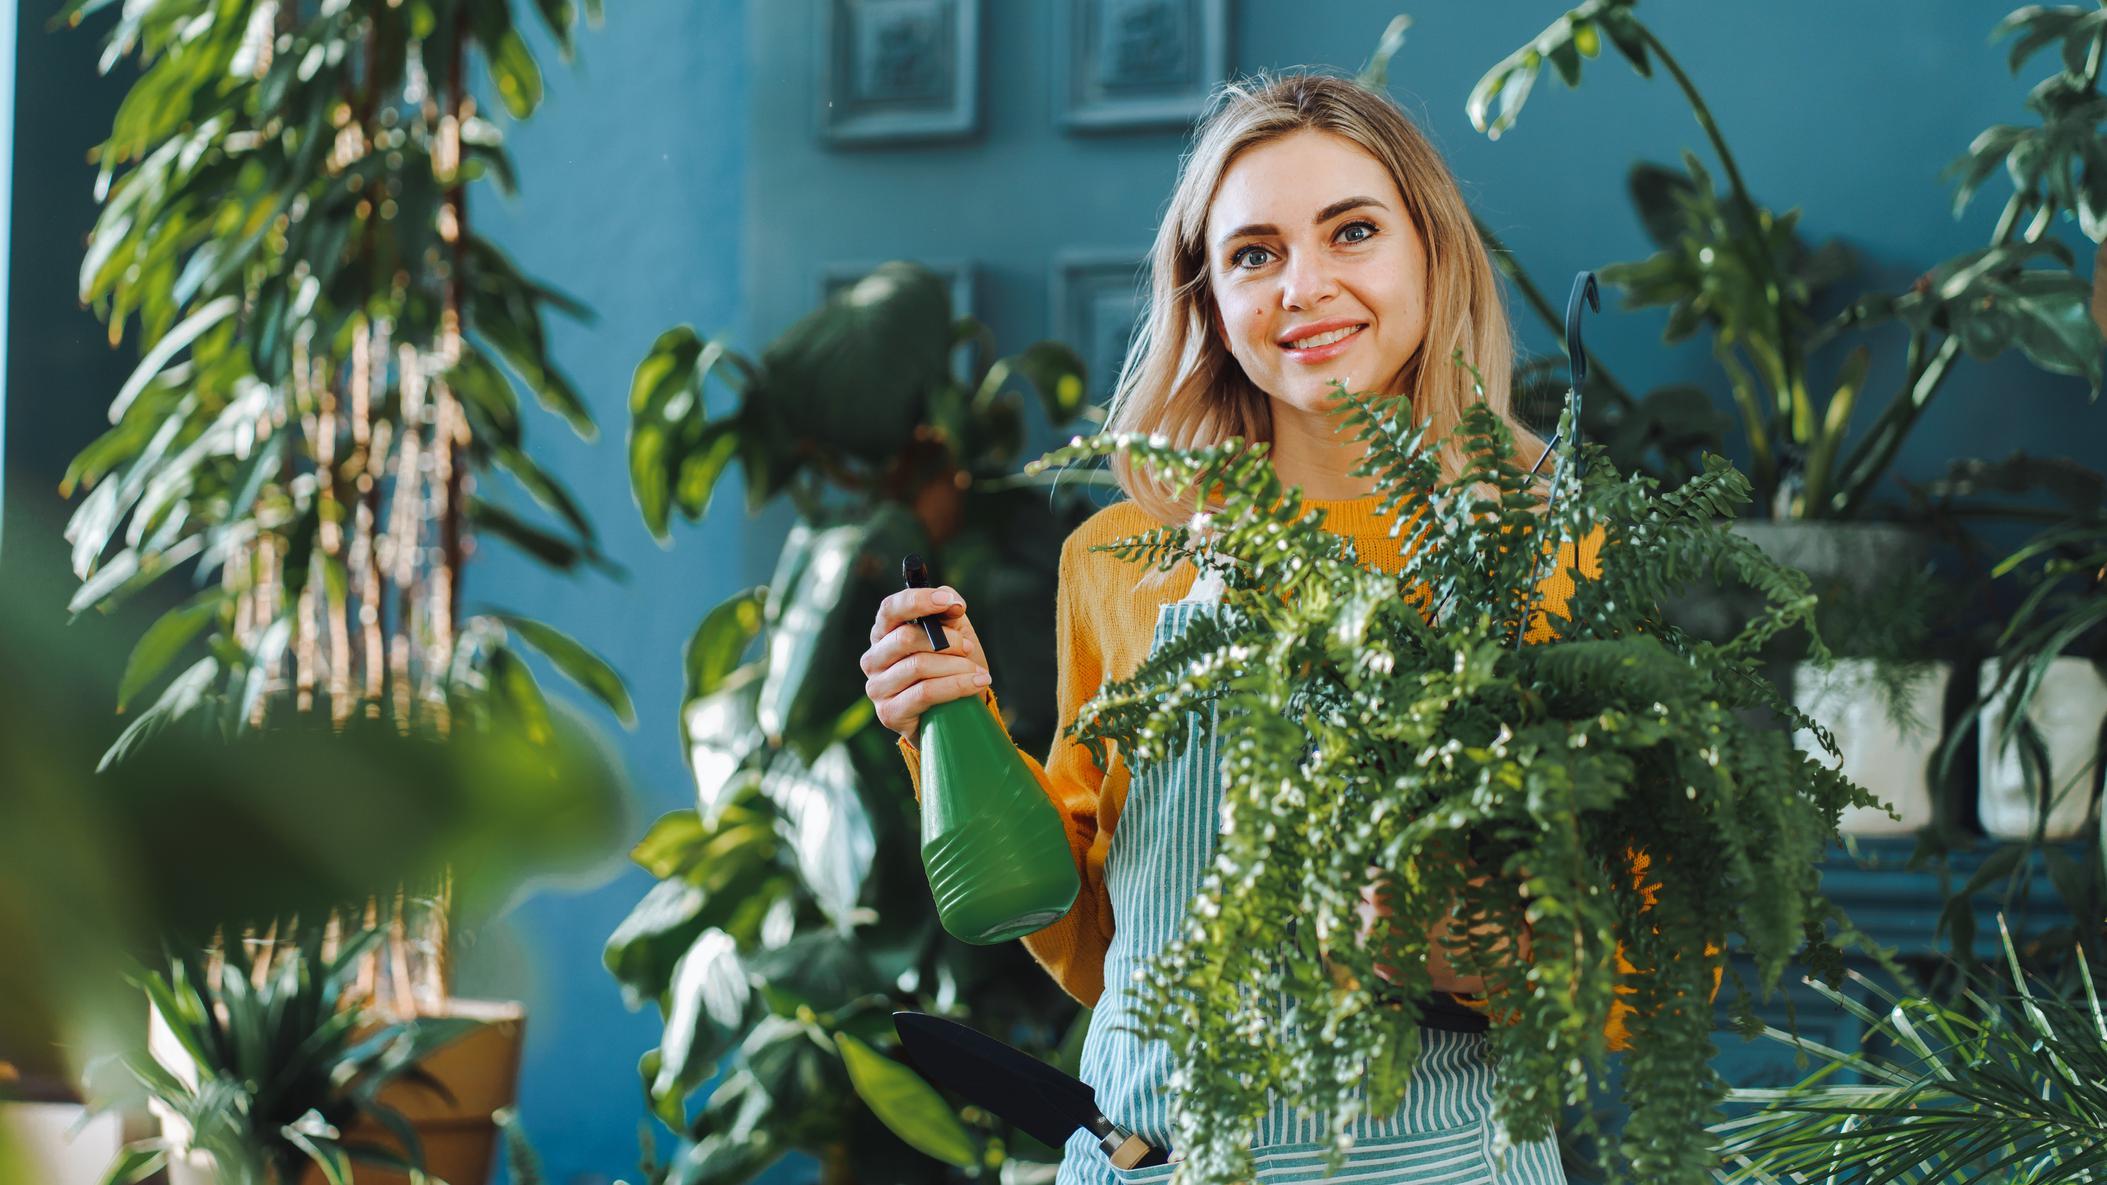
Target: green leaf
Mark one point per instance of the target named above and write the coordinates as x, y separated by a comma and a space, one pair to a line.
719, 1159
182, 697
676, 453
721, 640
581, 665
824, 822
859, 368
518, 78
906, 1104
823, 970
705, 1014
1058, 374
165, 639
722, 730
643, 950
136, 1162
170, 344
515, 687
809, 665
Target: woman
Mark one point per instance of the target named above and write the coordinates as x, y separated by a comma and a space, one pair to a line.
1314, 235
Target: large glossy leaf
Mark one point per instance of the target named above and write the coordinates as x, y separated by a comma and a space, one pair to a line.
642, 951
823, 821
720, 642
581, 665
854, 372
909, 1106
794, 1062
723, 731
822, 970
1054, 370
808, 675
705, 1015
719, 1159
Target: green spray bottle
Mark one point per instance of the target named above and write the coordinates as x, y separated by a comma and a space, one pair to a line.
992, 843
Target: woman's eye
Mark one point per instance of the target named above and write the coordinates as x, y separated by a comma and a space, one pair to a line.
1237, 260
1367, 226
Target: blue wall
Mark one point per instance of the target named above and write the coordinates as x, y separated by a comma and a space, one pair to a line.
630, 200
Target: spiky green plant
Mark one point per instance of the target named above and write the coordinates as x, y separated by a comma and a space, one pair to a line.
1988, 1087
1396, 721
279, 1066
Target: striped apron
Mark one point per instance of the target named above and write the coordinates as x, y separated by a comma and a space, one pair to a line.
1442, 1134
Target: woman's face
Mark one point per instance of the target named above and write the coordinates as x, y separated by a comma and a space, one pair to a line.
1308, 236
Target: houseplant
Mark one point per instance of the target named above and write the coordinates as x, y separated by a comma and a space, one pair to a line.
1796, 346
325, 343
792, 914
1396, 722
1990, 1085
277, 1062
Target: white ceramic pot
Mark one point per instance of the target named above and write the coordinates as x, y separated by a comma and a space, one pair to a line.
2067, 711
1893, 762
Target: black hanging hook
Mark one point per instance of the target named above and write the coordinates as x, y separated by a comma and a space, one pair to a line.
1585, 293
1576, 354
1586, 296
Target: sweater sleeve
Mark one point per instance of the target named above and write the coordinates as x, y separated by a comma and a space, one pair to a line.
1073, 949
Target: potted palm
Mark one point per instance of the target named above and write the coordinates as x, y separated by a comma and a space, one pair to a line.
323, 382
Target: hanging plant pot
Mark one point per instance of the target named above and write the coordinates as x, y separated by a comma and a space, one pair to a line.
2067, 713
1891, 760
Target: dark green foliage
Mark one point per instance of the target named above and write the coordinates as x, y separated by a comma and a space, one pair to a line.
792, 913
1738, 272
331, 359
1393, 720
1991, 1085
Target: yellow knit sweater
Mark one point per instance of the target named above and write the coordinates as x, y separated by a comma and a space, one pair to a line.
1104, 622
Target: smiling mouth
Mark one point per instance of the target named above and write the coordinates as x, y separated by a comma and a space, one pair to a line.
1318, 341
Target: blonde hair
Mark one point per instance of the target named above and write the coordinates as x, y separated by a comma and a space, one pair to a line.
1179, 379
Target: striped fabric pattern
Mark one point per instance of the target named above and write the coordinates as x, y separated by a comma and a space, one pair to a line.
1443, 1132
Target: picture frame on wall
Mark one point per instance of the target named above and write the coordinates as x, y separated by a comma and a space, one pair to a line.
898, 71
1129, 65
1096, 302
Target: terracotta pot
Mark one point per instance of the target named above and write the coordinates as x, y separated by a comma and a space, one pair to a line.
481, 1072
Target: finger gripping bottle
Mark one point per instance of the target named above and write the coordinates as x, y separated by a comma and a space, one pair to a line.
992, 843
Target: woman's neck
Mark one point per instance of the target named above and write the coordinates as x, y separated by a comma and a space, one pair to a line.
1311, 450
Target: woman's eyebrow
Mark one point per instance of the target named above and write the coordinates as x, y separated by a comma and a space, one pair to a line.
1323, 216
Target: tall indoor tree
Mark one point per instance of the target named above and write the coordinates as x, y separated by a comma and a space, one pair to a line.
331, 362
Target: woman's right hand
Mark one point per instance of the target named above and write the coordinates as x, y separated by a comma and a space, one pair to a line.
903, 677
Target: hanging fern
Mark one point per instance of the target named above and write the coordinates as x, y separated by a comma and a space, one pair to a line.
1396, 721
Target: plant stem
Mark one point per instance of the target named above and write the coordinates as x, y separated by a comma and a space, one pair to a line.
1774, 289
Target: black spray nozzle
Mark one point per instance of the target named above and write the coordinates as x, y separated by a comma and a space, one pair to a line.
915, 571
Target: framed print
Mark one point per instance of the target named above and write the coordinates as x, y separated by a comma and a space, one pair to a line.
896, 71
1136, 64
1096, 306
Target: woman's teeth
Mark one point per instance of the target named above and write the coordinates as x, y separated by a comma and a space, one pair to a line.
1325, 339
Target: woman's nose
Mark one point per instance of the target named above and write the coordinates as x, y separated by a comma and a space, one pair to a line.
1307, 281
